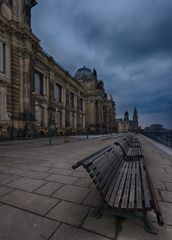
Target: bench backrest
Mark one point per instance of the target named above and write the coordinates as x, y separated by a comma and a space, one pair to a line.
124, 146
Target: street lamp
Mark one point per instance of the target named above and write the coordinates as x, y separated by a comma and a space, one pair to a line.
50, 110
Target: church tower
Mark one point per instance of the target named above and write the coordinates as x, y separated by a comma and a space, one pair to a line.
126, 116
135, 119
135, 115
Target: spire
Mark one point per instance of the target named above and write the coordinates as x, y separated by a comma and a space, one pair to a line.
126, 116
135, 115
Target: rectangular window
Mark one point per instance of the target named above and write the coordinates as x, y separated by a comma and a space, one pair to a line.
2, 57
81, 104
46, 86
38, 83
39, 116
57, 93
72, 99
58, 119
72, 120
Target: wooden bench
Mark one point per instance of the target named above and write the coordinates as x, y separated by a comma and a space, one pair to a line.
132, 142
129, 152
124, 186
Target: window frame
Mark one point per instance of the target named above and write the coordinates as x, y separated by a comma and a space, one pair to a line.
39, 91
3, 66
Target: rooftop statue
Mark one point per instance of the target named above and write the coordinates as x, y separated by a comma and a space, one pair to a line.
28, 4
7, 2
94, 72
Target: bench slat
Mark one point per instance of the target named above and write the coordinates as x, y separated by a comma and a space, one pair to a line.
116, 185
103, 172
124, 203
145, 187
116, 176
132, 187
105, 183
138, 187
121, 187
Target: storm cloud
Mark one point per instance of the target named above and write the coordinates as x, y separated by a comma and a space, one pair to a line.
129, 43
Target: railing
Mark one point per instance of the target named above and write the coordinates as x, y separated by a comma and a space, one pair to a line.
164, 137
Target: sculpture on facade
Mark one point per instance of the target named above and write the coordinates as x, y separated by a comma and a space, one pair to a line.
28, 5
7, 2
94, 72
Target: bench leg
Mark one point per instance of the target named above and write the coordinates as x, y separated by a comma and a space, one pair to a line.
97, 212
148, 226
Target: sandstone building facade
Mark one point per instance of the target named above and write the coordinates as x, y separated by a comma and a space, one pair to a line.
127, 125
36, 91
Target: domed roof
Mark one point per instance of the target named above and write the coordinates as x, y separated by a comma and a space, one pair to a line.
83, 73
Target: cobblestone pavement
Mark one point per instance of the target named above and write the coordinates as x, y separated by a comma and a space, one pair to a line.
41, 197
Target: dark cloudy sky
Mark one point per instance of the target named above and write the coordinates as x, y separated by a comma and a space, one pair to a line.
129, 42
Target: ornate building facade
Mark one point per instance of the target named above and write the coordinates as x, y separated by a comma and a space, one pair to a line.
127, 125
100, 108
34, 89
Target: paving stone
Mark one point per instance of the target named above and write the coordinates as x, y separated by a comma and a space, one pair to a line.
93, 198
7, 178
168, 186
62, 179
84, 182
61, 171
104, 225
158, 185
29, 201
68, 212
21, 225
61, 164
165, 177
166, 209
4, 190
81, 174
48, 188
71, 193
27, 173
131, 230
157, 170
27, 184
169, 169
66, 232
158, 195
166, 196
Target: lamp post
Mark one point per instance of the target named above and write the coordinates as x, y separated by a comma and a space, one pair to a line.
50, 110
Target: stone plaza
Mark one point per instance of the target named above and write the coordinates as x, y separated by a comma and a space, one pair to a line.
42, 197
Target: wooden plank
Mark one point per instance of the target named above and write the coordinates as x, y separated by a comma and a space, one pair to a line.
138, 187
125, 199
145, 187
116, 184
86, 161
105, 183
121, 187
91, 157
104, 171
116, 178
132, 187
